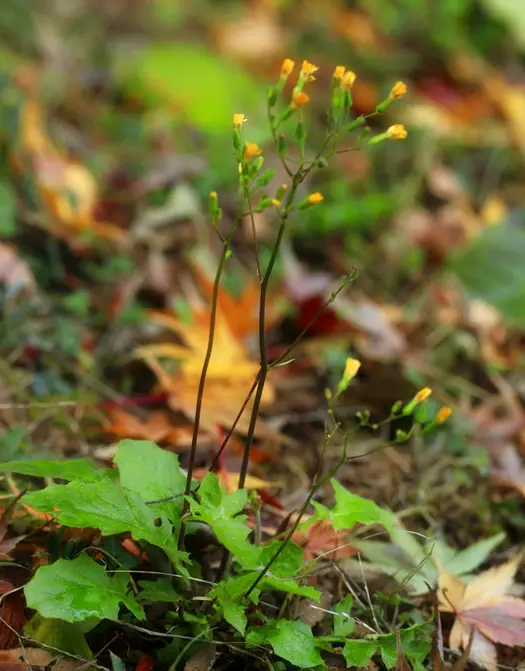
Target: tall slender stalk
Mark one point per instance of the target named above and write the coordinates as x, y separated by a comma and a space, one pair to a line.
204, 372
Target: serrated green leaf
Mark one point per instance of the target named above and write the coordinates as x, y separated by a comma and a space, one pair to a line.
479, 268
75, 590
153, 473
232, 609
72, 469
291, 640
415, 641
343, 622
358, 652
288, 563
291, 587
220, 511
157, 590
58, 635
351, 509
110, 508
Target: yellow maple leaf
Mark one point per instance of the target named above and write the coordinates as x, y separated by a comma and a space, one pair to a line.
231, 372
483, 609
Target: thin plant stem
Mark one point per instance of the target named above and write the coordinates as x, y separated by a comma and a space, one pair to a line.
317, 484
204, 372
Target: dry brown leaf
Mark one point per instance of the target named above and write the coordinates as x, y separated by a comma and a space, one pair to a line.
14, 271
484, 611
34, 659
157, 427
8, 544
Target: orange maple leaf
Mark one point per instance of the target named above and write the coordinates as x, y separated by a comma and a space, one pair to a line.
157, 427
484, 610
321, 539
231, 372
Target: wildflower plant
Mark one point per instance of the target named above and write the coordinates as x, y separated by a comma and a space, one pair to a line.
149, 497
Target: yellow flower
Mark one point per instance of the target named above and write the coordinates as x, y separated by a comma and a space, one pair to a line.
339, 72
287, 68
299, 99
348, 80
238, 120
398, 91
422, 394
307, 71
315, 198
397, 132
351, 368
276, 203
442, 415
251, 150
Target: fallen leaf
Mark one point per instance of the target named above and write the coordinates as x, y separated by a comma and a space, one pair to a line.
231, 372
321, 539
230, 480
68, 191
157, 427
34, 659
484, 610
15, 274
8, 544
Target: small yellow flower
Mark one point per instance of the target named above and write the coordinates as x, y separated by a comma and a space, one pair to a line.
307, 71
442, 415
398, 91
238, 120
397, 132
422, 394
339, 72
213, 195
315, 198
287, 68
348, 80
300, 99
352, 366
276, 203
251, 150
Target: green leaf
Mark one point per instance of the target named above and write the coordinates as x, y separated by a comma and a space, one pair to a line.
72, 469
343, 622
472, 557
512, 15
358, 652
110, 508
288, 563
291, 587
75, 590
8, 225
157, 590
220, 511
415, 641
351, 509
153, 473
291, 640
78, 303
204, 86
59, 635
233, 610
480, 269
116, 663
